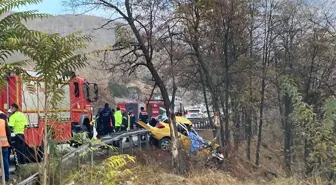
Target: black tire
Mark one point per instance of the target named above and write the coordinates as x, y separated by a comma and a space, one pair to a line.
165, 143
153, 141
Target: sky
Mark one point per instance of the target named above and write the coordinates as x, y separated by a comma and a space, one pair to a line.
55, 7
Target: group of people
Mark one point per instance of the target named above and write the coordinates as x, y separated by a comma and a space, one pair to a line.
16, 122
111, 120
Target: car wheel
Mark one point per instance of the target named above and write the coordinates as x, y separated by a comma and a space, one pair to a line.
165, 144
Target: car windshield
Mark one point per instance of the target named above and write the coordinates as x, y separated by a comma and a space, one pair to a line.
194, 111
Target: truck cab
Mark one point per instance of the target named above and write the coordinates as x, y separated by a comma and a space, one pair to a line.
73, 113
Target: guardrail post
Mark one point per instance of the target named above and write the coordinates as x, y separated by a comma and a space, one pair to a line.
78, 159
131, 142
147, 140
139, 141
91, 154
60, 170
121, 147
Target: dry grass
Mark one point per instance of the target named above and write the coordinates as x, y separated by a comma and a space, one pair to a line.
154, 175
154, 168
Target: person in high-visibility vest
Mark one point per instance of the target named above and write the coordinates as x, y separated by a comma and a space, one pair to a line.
5, 139
18, 123
118, 119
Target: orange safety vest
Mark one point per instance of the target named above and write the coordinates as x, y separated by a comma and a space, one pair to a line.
3, 135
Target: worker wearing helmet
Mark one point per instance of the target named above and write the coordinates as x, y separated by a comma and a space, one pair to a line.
18, 123
118, 119
5, 140
9, 113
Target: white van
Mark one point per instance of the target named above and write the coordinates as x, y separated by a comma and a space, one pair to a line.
195, 113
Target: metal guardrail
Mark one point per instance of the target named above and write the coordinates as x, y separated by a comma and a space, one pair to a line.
109, 139
33, 178
201, 123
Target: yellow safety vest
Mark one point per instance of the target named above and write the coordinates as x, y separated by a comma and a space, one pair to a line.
18, 121
118, 118
3, 135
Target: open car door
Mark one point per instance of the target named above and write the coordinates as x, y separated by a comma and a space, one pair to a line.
183, 135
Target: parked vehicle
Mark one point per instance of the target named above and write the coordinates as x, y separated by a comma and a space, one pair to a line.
153, 106
74, 113
195, 114
160, 134
135, 106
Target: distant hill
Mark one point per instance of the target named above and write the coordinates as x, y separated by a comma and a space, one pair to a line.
67, 24
88, 25
101, 38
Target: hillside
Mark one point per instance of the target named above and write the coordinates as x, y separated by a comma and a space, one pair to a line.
100, 39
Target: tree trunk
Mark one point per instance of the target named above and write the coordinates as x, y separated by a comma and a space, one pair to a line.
227, 115
249, 132
177, 159
195, 44
207, 104
288, 134
261, 113
209, 81
265, 62
45, 139
176, 146
249, 107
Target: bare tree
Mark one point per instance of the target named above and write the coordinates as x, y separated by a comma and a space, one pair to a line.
148, 22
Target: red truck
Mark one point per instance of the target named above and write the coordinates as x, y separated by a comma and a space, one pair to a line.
152, 107
135, 106
74, 113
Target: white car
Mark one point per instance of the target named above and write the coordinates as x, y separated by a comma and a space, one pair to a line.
195, 114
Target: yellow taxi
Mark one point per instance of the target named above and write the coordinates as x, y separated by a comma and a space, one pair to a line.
160, 134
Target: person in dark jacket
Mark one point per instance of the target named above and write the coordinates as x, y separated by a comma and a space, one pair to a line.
143, 115
99, 125
125, 121
132, 118
107, 119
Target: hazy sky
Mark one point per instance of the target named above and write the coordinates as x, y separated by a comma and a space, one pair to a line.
55, 7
